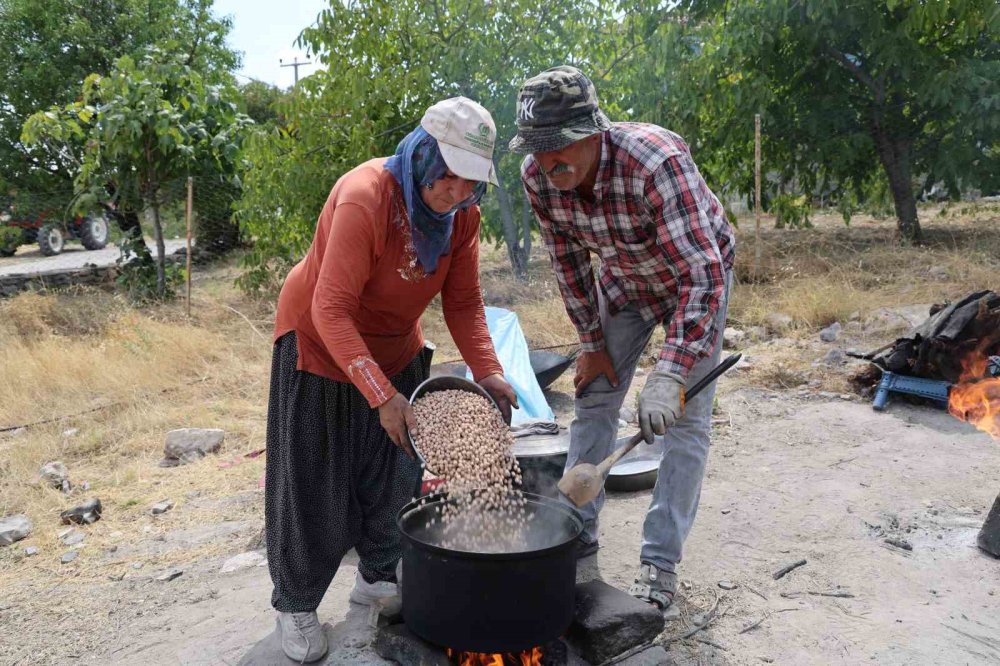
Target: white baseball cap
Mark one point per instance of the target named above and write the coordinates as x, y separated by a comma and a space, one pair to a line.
465, 133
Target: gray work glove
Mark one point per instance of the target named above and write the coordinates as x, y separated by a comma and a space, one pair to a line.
661, 403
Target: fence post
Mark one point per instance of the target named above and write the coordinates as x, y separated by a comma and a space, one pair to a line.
756, 212
190, 201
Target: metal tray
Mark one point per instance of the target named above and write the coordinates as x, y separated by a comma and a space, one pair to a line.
636, 470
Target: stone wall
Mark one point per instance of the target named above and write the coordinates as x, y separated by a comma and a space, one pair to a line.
11, 285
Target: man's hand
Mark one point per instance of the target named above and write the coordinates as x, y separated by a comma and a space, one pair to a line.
397, 418
502, 392
590, 366
661, 403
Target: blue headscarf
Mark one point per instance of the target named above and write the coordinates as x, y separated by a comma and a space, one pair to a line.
416, 164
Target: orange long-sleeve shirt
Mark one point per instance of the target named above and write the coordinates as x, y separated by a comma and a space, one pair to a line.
356, 298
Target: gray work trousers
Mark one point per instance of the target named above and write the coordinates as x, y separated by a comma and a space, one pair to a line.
594, 431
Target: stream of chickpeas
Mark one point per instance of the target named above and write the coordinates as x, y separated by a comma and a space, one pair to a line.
464, 440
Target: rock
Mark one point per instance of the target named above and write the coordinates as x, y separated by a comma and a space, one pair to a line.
161, 507
827, 395
627, 415
887, 320
72, 432
727, 585
831, 332
14, 528
69, 556
73, 538
399, 644
744, 363
758, 333
189, 444
170, 575
778, 322
137, 565
56, 475
899, 543
18, 432
651, 656
87, 513
988, 538
608, 622
243, 561
732, 338
835, 357
939, 273
30, 550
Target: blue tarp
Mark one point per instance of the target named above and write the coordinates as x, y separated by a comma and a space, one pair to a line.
512, 350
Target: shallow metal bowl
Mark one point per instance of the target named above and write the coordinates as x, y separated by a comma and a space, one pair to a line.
445, 383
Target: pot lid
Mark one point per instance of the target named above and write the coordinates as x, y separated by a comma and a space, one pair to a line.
534, 446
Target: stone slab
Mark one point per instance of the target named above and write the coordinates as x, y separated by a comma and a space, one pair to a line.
397, 643
651, 656
350, 645
608, 622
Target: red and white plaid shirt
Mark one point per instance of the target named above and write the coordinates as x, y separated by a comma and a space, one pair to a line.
661, 235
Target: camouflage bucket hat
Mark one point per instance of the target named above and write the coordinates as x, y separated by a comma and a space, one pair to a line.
556, 108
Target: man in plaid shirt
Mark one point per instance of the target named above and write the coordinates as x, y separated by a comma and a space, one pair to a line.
631, 195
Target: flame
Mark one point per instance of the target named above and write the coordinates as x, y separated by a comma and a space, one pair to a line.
532, 657
976, 396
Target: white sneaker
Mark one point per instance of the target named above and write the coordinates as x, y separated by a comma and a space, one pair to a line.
383, 593
302, 636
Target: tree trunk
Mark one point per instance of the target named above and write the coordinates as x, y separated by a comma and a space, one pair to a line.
516, 253
161, 258
895, 157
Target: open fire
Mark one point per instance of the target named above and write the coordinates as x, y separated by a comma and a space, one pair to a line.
976, 396
532, 657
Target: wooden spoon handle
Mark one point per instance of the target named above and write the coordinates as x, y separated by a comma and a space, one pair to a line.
610, 461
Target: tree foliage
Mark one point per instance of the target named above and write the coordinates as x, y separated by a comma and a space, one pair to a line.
142, 126
846, 89
384, 63
48, 48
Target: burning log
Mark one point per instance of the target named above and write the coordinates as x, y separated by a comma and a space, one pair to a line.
975, 398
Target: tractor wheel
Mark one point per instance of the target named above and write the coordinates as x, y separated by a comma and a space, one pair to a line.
51, 239
94, 232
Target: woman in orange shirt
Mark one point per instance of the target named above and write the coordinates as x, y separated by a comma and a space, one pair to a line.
394, 233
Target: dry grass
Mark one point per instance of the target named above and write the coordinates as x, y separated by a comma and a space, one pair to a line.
153, 370
145, 372
822, 275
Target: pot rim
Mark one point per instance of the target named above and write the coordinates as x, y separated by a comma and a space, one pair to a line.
415, 506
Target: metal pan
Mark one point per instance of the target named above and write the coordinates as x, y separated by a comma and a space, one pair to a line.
445, 383
637, 470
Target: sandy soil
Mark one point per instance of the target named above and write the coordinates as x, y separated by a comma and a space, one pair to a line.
792, 478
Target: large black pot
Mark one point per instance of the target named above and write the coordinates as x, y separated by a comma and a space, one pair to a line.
489, 602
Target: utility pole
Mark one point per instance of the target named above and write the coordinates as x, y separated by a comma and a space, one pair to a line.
296, 64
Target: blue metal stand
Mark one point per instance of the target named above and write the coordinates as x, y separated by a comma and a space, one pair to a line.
932, 389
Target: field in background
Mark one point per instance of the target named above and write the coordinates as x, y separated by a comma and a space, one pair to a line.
123, 377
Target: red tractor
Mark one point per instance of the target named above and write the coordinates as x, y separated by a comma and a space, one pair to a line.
50, 233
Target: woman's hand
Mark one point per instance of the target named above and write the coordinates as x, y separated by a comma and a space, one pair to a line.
502, 392
397, 419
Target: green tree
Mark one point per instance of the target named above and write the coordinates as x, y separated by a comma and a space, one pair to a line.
144, 126
383, 63
48, 48
845, 90
261, 101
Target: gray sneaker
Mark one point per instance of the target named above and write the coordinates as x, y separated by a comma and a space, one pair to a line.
302, 636
654, 586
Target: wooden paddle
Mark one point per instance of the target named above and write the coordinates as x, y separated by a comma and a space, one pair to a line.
583, 483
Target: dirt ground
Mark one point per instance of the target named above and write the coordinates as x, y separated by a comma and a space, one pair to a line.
801, 468
792, 478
